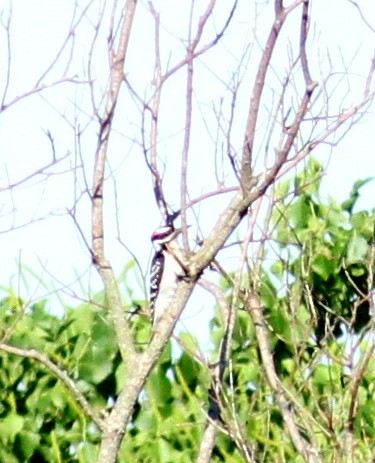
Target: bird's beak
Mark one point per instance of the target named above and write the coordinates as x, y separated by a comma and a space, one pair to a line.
179, 230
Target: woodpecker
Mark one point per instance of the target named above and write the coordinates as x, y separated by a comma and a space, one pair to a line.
167, 268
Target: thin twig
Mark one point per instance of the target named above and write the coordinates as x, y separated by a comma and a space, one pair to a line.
155, 108
40, 89
40, 171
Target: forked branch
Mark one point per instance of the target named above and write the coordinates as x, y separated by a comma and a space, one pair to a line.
98, 253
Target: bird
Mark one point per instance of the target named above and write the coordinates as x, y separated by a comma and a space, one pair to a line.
167, 269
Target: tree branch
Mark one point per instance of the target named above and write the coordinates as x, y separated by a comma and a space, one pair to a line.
260, 79
307, 450
99, 259
61, 375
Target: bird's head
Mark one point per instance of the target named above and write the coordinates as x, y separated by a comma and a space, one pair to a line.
164, 234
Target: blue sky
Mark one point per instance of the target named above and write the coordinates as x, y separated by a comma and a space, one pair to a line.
51, 245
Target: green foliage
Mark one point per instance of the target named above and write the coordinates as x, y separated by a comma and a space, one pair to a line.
39, 418
169, 420
40, 421
330, 249
317, 298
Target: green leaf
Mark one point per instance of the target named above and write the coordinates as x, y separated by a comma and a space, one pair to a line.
299, 213
95, 368
309, 180
159, 387
87, 453
166, 357
10, 426
323, 266
27, 442
9, 457
121, 377
146, 420
278, 268
348, 204
249, 373
189, 342
357, 249
303, 315
367, 412
327, 375
364, 224
282, 189
189, 369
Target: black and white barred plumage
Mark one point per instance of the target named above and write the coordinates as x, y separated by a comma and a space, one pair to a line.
166, 270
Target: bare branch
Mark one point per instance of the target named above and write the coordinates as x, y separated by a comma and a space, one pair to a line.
143, 364
34, 174
153, 164
207, 443
39, 89
159, 80
303, 55
6, 26
104, 268
188, 114
363, 17
61, 375
294, 125
69, 37
246, 165
205, 48
307, 450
